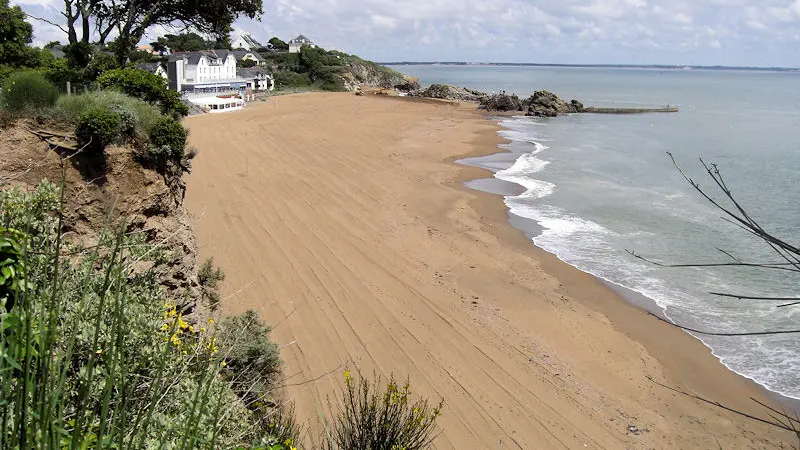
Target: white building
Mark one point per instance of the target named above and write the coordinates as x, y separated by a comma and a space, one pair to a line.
245, 41
211, 79
299, 41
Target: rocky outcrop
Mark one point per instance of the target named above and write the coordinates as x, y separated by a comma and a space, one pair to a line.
447, 92
359, 74
501, 102
547, 104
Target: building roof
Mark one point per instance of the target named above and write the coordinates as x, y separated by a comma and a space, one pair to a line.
240, 54
251, 72
193, 58
301, 40
249, 40
150, 67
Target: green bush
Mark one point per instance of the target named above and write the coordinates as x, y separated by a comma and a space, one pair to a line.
210, 278
287, 80
26, 91
372, 417
94, 355
167, 143
98, 128
146, 86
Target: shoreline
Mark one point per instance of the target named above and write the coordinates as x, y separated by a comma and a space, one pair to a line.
362, 246
626, 295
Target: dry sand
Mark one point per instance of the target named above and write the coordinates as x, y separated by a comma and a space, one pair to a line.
340, 219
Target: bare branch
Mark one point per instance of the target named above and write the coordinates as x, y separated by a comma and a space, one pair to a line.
745, 297
777, 423
49, 22
712, 333
775, 266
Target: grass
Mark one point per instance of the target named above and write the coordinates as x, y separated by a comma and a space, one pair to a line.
94, 355
69, 108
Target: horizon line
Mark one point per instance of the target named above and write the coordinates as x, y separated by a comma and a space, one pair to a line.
642, 66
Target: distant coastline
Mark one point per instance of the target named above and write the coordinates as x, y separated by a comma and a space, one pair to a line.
596, 66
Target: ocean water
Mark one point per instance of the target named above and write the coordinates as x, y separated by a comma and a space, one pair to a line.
599, 185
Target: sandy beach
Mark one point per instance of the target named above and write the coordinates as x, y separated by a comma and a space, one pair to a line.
344, 222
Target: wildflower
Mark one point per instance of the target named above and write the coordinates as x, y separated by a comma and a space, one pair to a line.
211, 320
191, 329
165, 327
99, 351
175, 340
182, 324
347, 377
223, 364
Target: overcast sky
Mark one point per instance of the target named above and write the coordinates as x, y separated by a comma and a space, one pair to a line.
707, 32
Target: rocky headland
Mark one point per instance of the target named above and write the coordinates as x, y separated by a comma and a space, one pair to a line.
540, 104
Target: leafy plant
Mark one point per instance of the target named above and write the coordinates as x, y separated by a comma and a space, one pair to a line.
210, 278
98, 128
371, 417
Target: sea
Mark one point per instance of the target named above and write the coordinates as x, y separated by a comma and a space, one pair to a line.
602, 187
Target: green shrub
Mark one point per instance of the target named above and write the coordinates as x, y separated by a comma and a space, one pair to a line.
371, 417
98, 128
251, 356
287, 80
167, 143
210, 278
94, 355
146, 86
27, 91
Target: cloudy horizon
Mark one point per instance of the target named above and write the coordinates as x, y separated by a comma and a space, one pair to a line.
677, 32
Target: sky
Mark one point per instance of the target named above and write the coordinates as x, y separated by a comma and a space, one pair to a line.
762, 33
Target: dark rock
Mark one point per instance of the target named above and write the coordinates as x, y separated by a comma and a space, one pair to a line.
547, 104
447, 92
501, 102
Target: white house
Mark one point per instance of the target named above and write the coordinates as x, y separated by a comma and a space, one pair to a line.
210, 78
256, 78
299, 41
245, 41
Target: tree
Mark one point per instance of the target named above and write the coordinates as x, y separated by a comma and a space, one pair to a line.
15, 35
186, 42
247, 63
131, 19
278, 44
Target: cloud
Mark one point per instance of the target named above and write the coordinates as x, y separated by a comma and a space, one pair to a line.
734, 32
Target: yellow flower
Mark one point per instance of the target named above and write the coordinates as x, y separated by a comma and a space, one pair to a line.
99, 351
223, 364
175, 340
165, 327
191, 328
182, 324
288, 442
211, 320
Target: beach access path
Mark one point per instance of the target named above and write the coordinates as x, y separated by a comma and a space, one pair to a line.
342, 220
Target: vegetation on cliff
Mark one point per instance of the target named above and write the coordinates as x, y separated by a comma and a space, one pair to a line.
331, 70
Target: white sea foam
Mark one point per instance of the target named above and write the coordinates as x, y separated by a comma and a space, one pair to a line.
595, 249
